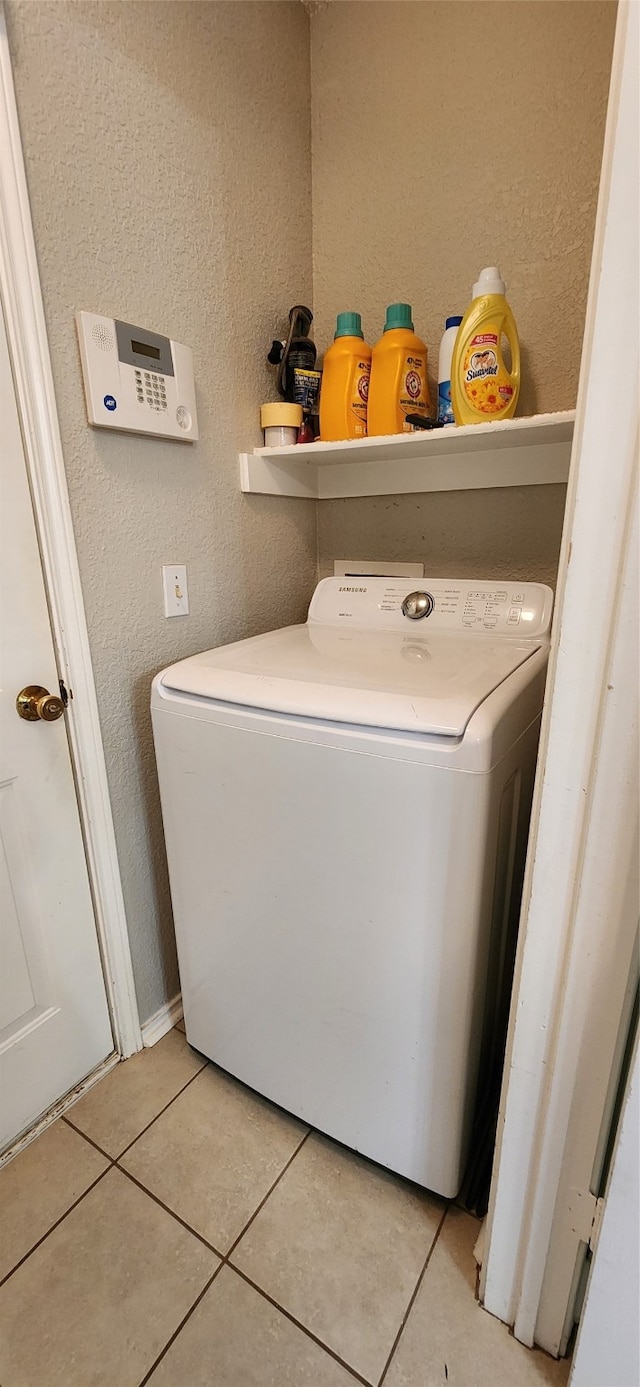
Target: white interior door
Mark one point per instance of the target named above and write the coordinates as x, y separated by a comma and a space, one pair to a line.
54, 1019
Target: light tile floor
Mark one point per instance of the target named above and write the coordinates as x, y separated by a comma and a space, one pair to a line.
175, 1229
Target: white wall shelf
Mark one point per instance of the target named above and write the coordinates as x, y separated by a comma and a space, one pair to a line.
515, 452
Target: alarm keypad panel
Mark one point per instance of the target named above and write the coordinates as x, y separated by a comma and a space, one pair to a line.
136, 381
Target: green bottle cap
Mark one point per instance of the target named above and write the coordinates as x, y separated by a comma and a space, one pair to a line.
349, 325
398, 315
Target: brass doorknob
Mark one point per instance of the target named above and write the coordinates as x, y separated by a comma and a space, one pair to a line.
34, 702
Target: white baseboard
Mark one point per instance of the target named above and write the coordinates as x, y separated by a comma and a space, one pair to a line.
163, 1020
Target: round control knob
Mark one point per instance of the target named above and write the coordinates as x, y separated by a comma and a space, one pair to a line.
417, 605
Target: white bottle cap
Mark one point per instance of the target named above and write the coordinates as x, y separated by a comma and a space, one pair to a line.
490, 282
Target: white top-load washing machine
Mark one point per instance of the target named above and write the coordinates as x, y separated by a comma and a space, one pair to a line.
345, 806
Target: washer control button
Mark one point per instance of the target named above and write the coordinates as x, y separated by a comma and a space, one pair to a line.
417, 604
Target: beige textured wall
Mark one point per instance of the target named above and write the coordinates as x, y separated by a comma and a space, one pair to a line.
162, 142
506, 533
448, 135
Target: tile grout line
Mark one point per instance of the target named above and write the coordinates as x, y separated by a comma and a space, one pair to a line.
225, 1261
299, 1325
134, 1181
164, 1109
57, 1223
113, 1162
413, 1298
224, 1258
113, 1165
267, 1195
122, 1153
90, 1140
181, 1326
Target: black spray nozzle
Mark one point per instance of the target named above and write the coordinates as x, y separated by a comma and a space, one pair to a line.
275, 355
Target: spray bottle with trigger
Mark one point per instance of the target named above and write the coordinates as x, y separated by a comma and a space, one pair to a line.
298, 381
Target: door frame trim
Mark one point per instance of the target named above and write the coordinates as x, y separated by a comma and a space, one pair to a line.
29, 351
565, 986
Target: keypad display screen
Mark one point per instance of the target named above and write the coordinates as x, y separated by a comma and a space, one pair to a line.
142, 349
145, 349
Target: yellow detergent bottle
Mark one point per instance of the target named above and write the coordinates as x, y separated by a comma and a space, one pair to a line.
345, 382
398, 375
482, 388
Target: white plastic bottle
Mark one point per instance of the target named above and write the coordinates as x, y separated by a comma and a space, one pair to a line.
445, 407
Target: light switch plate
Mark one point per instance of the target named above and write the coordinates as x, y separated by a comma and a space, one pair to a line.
174, 588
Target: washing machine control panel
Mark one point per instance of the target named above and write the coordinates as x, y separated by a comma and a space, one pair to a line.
501, 608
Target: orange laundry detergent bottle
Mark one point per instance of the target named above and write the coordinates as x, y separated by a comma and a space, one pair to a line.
345, 382
398, 375
482, 385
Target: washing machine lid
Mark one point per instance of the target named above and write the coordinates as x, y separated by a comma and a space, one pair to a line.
409, 682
